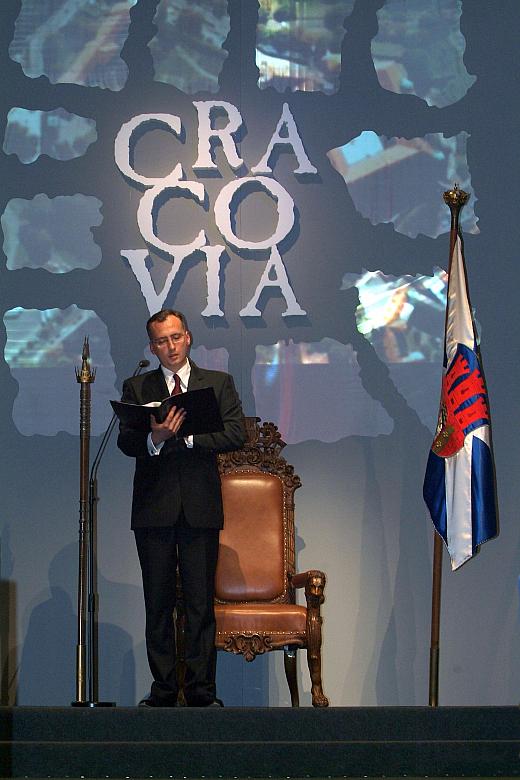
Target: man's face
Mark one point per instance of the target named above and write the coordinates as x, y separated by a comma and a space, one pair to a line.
170, 342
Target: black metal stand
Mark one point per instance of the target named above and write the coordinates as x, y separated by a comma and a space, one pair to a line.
92, 594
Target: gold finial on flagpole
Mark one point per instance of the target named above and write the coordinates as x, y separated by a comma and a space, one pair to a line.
85, 373
455, 198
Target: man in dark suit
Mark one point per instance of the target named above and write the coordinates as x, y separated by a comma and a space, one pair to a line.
177, 511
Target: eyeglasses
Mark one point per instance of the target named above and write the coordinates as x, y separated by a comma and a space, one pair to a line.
163, 341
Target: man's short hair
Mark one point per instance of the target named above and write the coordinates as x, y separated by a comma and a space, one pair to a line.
161, 316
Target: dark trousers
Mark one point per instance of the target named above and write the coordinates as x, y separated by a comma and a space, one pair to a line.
195, 550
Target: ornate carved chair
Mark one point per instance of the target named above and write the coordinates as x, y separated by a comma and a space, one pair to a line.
256, 608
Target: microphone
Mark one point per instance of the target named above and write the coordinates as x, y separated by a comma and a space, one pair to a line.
140, 365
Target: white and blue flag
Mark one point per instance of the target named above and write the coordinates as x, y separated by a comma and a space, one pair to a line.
459, 486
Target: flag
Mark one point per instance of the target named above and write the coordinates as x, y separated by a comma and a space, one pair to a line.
459, 485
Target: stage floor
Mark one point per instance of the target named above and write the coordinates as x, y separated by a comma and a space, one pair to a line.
350, 742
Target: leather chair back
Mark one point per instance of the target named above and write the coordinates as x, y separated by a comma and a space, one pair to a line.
252, 556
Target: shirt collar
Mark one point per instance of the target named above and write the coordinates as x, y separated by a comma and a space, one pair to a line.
183, 374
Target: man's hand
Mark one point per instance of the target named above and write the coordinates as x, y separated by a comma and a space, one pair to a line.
168, 428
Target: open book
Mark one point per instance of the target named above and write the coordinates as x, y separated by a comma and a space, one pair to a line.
202, 412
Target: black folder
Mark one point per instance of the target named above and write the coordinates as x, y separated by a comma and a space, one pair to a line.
202, 412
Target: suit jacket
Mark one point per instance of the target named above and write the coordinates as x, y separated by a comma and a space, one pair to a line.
181, 477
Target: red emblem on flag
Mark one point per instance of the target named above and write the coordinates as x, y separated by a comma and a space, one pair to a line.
460, 384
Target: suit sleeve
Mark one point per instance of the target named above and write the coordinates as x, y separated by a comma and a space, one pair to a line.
233, 436
131, 442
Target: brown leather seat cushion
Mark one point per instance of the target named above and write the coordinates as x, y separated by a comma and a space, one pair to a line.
282, 622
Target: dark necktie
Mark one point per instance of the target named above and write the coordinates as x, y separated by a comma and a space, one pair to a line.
177, 386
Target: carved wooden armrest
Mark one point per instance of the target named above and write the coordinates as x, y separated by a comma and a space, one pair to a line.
314, 583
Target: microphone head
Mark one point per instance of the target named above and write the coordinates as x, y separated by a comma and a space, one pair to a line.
144, 363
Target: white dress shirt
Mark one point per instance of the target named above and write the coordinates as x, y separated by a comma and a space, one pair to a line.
184, 377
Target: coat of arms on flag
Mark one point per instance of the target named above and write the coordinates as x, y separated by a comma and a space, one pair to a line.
464, 405
459, 486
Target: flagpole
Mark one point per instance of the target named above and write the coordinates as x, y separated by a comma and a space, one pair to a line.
85, 376
455, 199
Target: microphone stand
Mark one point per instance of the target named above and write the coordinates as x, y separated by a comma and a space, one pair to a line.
92, 597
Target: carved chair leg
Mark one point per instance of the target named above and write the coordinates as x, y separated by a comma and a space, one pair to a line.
314, 658
289, 662
314, 662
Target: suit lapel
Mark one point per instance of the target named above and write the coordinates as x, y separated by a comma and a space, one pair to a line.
197, 378
154, 386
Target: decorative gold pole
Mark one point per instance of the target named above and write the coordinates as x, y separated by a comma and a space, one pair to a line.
85, 376
455, 199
